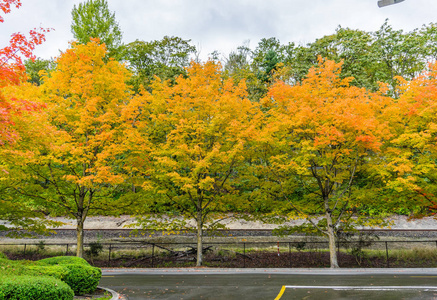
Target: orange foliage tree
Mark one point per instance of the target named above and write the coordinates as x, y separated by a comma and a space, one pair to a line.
14, 115
318, 138
191, 142
69, 167
413, 152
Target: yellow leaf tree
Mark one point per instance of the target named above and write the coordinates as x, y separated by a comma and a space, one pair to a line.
318, 138
71, 169
193, 138
31, 132
413, 150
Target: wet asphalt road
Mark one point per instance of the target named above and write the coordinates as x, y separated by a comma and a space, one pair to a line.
180, 284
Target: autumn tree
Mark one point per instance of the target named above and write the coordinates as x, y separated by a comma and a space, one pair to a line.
319, 137
71, 170
412, 153
12, 70
13, 108
193, 138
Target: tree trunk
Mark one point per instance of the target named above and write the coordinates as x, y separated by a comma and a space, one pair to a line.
79, 234
199, 239
332, 240
82, 213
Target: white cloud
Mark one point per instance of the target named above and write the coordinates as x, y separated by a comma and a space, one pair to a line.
221, 24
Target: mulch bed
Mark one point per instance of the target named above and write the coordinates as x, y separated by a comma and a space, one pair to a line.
99, 293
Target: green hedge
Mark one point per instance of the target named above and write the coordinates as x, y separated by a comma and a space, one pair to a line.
74, 271
30, 268
59, 260
34, 288
81, 277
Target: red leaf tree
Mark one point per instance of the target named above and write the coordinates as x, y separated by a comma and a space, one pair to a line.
12, 71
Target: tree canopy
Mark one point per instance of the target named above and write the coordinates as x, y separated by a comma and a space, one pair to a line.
93, 19
196, 132
339, 131
320, 135
14, 110
71, 168
166, 59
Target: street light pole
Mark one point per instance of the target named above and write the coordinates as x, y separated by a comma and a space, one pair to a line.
382, 3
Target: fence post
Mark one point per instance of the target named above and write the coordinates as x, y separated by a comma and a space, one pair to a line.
153, 254
109, 255
66, 251
24, 252
386, 254
244, 255
289, 254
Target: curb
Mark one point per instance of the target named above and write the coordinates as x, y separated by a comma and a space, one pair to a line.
115, 295
279, 271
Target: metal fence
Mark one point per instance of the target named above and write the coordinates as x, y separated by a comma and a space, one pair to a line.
304, 253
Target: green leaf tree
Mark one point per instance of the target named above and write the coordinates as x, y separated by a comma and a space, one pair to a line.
347, 45
399, 54
93, 19
268, 60
238, 65
34, 68
166, 58
368, 57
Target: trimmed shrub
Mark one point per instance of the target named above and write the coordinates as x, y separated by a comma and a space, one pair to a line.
34, 288
81, 277
11, 267
58, 272
74, 271
60, 260
29, 268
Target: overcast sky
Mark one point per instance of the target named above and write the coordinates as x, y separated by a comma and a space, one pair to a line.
220, 25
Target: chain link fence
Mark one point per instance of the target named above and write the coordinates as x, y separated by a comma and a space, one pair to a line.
293, 254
